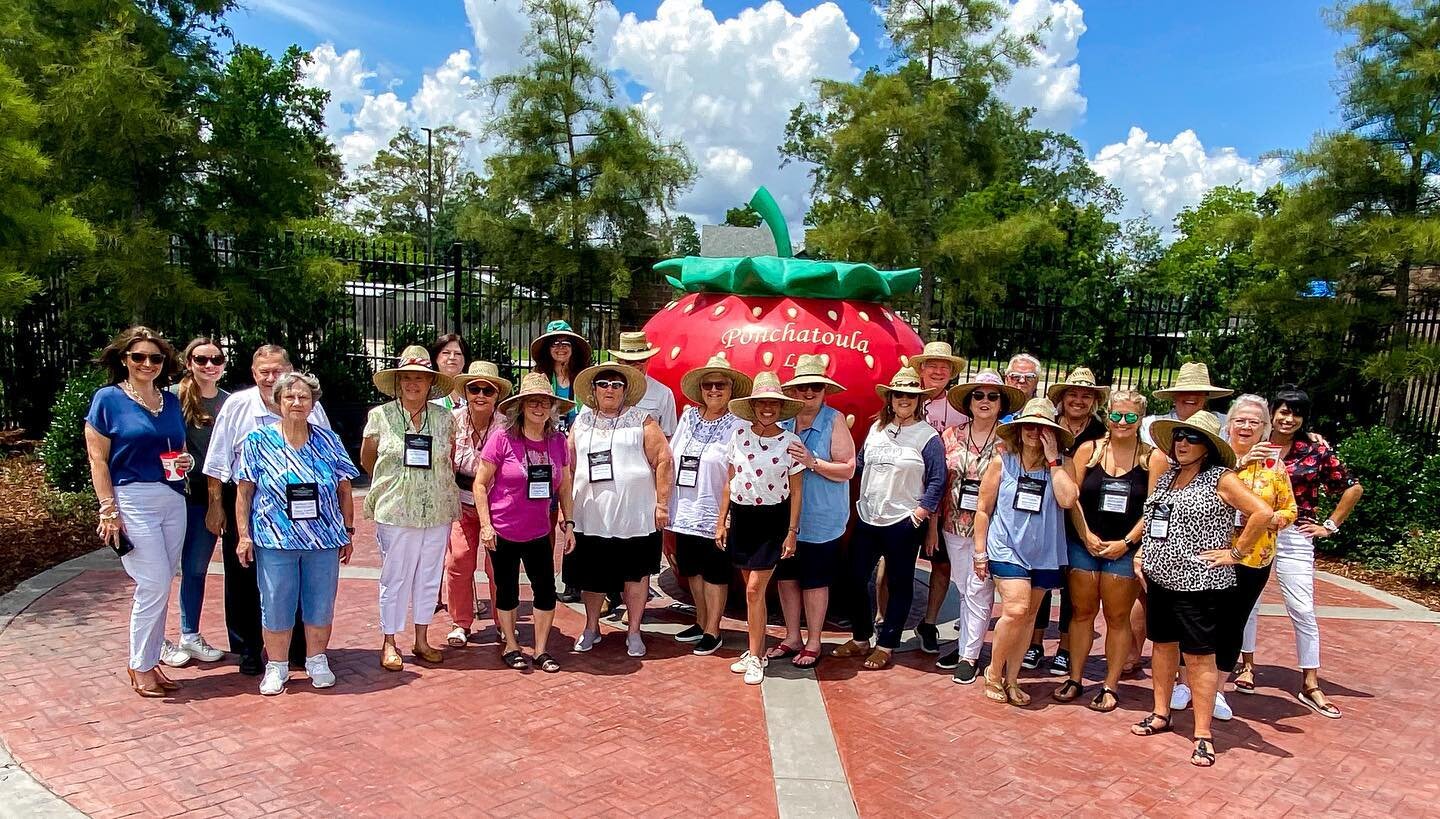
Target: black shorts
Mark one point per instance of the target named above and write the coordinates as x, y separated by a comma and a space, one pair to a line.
698, 556
757, 534
1194, 619
813, 565
601, 564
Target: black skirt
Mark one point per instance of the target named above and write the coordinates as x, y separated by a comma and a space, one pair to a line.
757, 534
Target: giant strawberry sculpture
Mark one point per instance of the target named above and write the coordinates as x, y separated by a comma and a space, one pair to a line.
763, 312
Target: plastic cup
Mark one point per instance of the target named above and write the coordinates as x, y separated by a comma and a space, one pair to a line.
170, 461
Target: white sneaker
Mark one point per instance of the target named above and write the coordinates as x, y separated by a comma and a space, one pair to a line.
198, 649
1180, 697
635, 646
755, 670
173, 655
741, 664
318, 668
1222, 711
276, 674
587, 641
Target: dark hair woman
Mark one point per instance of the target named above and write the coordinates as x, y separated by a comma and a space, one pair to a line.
450, 353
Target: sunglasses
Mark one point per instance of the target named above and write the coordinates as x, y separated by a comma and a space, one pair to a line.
981, 395
564, 344
809, 388
1127, 417
480, 389
141, 358
711, 385
1023, 377
1189, 436
203, 360
617, 384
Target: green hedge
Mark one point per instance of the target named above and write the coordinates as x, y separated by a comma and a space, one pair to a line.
1402, 494
67, 467
1419, 557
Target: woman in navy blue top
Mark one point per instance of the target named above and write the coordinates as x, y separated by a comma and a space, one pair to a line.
135, 438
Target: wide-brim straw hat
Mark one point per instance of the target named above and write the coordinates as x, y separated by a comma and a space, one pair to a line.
740, 383
558, 329
905, 381
634, 346
1193, 377
959, 395
1203, 422
537, 384
490, 374
938, 351
1079, 378
810, 369
635, 384
413, 359
1036, 412
766, 385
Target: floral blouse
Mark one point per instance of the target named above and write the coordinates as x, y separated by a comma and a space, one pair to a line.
964, 463
1273, 487
411, 496
1314, 468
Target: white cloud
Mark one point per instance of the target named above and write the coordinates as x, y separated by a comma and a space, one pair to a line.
499, 27
1051, 84
1159, 179
344, 76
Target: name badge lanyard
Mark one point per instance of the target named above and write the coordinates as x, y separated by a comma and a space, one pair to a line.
418, 444
687, 474
601, 463
970, 487
1029, 493
537, 475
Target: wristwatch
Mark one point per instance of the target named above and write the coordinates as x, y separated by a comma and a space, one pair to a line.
567, 524
1331, 526
1057, 462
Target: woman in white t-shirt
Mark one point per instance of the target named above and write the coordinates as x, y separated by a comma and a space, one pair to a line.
759, 518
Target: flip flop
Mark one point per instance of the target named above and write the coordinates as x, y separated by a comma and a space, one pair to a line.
806, 654
781, 652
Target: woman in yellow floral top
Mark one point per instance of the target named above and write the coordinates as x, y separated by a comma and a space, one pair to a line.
413, 498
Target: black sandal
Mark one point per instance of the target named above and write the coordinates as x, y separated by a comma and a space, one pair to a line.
1204, 754
515, 659
1098, 704
1146, 727
1068, 691
546, 663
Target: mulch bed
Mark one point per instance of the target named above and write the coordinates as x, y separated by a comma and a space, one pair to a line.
1426, 594
32, 537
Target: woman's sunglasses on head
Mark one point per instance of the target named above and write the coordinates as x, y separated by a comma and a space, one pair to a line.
1125, 417
143, 358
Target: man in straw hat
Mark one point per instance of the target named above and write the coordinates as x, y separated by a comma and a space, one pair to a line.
658, 401
1190, 392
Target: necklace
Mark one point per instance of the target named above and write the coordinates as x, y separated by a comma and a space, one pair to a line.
129, 389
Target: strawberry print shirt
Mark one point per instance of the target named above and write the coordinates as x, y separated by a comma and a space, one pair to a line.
763, 467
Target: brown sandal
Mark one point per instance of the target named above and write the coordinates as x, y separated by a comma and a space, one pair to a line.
1068, 691
878, 659
851, 649
1016, 696
148, 693
994, 691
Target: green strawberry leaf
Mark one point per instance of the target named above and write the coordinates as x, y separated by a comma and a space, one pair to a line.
776, 276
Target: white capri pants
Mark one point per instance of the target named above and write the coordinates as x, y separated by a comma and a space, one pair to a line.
412, 562
1295, 568
154, 518
977, 597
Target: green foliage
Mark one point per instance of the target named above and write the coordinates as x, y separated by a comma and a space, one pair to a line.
487, 344
1393, 503
684, 238
340, 363
67, 467
393, 189
1419, 556
407, 333
743, 216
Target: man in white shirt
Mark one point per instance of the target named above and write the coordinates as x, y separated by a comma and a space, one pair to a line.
246, 411
1189, 394
659, 400
937, 365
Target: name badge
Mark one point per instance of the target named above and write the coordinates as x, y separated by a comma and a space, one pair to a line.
1029, 493
602, 466
1159, 528
689, 472
1239, 519
417, 450
1114, 495
969, 495
537, 478
302, 501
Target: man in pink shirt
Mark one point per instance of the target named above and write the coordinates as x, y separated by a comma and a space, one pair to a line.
938, 366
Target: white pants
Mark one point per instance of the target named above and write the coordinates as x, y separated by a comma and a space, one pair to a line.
977, 597
412, 561
1295, 568
154, 518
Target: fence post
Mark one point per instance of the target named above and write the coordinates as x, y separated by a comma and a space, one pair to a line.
456, 255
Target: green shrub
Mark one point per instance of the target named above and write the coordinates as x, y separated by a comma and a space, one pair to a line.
487, 344
343, 368
67, 467
1419, 556
409, 332
1387, 465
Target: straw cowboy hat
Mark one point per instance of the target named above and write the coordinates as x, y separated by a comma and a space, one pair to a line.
1193, 377
414, 359
1162, 431
1037, 412
490, 374
555, 331
938, 351
740, 383
635, 384
959, 395
767, 385
634, 346
536, 384
1079, 378
810, 369
906, 382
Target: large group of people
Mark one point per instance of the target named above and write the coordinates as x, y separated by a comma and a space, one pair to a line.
1168, 526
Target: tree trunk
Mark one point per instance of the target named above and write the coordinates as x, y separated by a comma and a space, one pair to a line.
1399, 340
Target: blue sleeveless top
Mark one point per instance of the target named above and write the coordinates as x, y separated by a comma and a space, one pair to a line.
1035, 540
825, 508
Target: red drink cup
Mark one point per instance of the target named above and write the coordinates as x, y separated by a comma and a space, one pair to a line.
171, 462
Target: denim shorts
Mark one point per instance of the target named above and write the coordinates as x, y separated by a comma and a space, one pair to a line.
1039, 578
287, 577
1081, 560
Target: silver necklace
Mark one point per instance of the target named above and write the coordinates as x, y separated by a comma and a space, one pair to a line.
129, 389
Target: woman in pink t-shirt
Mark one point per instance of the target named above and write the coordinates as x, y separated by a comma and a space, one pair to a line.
520, 471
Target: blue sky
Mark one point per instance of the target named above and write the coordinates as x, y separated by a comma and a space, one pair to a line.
1246, 78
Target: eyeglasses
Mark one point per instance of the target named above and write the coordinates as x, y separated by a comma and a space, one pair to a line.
710, 386
1127, 417
809, 387
203, 360
141, 358
480, 389
564, 344
981, 395
1189, 436
1022, 377
617, 384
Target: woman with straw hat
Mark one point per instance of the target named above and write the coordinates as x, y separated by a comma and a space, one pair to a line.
521, 471
1190, 393
902, 478
413, 498
623, 481
828, 453
698, 450
1020, 534
559, 354
1187, 552
759, 519
938, 365
969, 448
476, 422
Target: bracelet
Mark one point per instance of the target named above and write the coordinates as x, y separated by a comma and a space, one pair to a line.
794, 530
981, 558
113, 514
1235, 553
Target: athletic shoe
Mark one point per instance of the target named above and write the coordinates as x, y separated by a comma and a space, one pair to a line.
252, 665
690, 635
275, 676
965, 673
755, 670
569, 595
741, 664
708, 644
587, 641
949, 661
929, 638
1034, 656
635, 646
1180, 697
173, 655
1222, 711
1060, 666
198, 649
318, 669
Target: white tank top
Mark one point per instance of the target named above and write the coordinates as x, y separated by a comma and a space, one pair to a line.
624, 506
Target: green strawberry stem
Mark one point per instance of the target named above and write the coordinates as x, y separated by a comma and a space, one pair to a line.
799, 278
